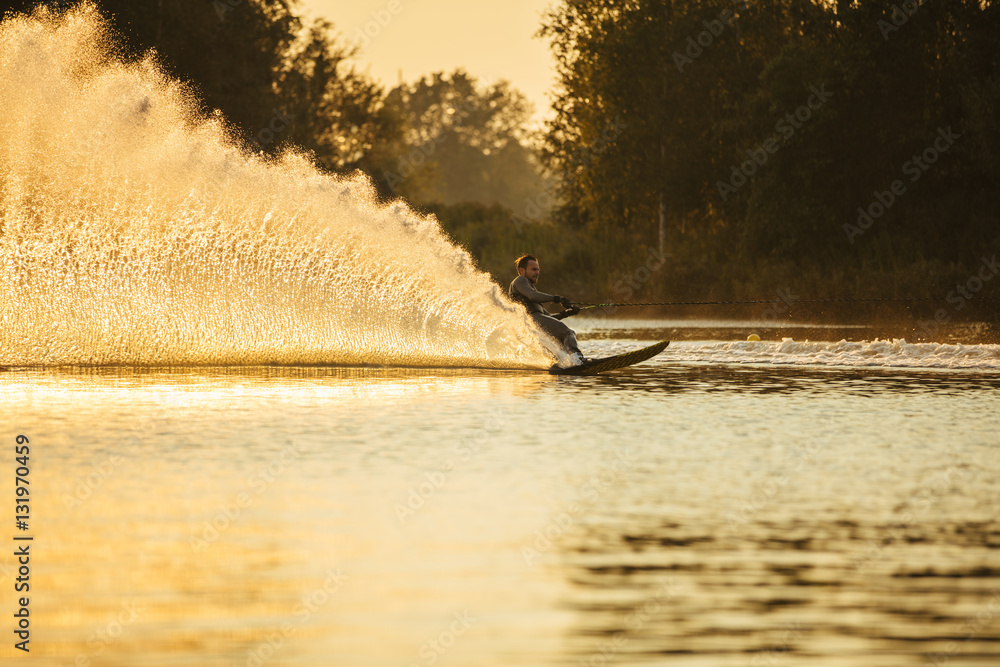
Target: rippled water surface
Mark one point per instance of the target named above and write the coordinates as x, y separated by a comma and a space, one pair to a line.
681, 512
827, 496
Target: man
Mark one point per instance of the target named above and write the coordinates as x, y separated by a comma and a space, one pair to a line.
523, 291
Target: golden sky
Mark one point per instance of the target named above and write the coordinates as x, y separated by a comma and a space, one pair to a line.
491, 39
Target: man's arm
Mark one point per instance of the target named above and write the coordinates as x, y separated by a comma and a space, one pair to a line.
569, 312
528, 291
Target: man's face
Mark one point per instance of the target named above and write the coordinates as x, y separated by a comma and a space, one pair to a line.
531, 271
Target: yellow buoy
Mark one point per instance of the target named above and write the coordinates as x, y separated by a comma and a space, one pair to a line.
754, 338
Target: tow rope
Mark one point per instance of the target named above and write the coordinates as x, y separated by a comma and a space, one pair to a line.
788, 301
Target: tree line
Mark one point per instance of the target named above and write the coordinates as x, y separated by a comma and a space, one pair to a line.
281, 80
836, 143
824, 146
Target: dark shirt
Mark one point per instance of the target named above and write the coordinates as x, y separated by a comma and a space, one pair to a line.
522, 291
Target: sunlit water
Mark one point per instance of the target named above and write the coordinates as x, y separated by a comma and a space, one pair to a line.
763, 512
820, 497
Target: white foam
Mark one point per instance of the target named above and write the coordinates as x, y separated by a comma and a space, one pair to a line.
896, 353
134, 231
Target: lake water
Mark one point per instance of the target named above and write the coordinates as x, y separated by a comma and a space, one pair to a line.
726, 503
827, 496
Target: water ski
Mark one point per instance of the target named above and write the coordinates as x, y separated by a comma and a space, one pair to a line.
595, 366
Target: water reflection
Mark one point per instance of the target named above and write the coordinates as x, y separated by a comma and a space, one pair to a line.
362, 516
805, 591
667, 377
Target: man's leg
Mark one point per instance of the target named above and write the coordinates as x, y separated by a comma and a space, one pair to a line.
559, 331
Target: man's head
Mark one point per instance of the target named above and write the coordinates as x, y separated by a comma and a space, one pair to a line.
527, 266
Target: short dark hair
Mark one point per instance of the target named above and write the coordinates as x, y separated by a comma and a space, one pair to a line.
522, 261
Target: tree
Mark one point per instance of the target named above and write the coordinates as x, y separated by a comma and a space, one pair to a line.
462, 142
895, 80
334, 112
645, 89
674, 114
